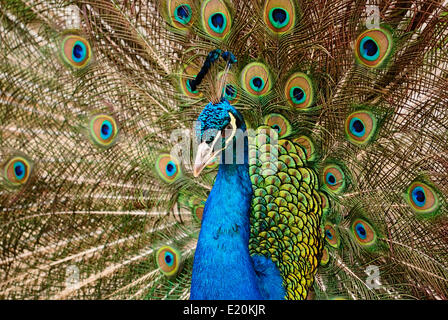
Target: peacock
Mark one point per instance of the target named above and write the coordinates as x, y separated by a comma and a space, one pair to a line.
224, 149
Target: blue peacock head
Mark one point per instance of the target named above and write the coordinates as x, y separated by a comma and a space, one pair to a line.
219, 126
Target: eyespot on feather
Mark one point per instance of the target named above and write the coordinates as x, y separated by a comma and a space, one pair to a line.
360, 127
422, 198
334, 178
373, 47
17, 170
181, 13
255, 79
198, 212
169, 261
75, 51
299, 91
363, 232
216, 18
168, 168
279, 123
103, 130
331, 235
230, 89
188, 74
279, 15
325, 257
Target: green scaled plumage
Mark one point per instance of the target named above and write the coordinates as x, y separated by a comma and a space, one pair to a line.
95, 124
286, 210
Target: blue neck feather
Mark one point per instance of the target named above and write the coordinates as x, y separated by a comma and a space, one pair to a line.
223, 268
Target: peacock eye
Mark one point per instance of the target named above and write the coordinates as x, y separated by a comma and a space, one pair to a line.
198, 212
299, 91
189, 73
360, 127
363, 232
216, 18
422, 198
189, 88
334, 178
180, 13
168, 168
279, 15
325, 202
17, 171
76, 51
307, 144
103, 130
257, 84
279, 123
230, 92
325, 257
255, 79
373, 47
331, 235
168, 261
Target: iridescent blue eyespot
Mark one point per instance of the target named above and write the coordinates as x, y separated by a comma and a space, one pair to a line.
169, 261
75, 51
79, 51
255, 79
183, 13
369, 49
169, 258
168, 168
189, 87
217, 22
361, 231
277, 128
418, 196
331, 235
278, 17
216, 18
103, 130
19, 170
357, 127
257, 84
279, 123
423, 198
106, 129
230, 92
171, 169
331, 179
297, 95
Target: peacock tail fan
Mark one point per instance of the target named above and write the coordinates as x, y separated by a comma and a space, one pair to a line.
98, 201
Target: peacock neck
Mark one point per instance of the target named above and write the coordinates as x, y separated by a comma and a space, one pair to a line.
222, 265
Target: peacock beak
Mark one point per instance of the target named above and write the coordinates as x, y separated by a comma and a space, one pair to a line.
204, 156
208, 152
